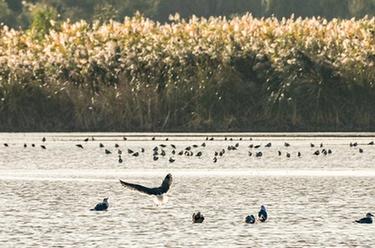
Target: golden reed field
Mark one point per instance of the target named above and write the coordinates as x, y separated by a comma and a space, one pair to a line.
213, 74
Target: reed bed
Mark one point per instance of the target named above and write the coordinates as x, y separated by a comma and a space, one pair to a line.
198, 74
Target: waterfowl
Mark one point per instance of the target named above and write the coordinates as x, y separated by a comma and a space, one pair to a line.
119, 159
101, 145
43, 147
85, 140
259, 154
107, 151
171, 160
262, 214
286, 144
366, 220
101, 206
197, 217
158, 191
250, 219
79, 146
117, 146
44, 139
268, 145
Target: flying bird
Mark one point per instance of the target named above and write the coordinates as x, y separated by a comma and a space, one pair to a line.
157, 191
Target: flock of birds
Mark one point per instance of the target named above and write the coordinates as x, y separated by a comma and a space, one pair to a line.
172, 153
196, 150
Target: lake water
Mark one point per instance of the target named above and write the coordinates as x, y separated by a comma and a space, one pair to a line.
312, 200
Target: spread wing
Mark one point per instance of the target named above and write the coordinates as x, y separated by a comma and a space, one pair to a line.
140, 188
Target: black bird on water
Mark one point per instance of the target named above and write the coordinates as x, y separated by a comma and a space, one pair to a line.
79, 146
360, 150
371, 143
85, 140
250, 219
24, 145
366, 220
197, 217
117, 146
171, 160
286, 144
158, 191
259, 154
262, 215
107, 151
6, 145
101, 145
119, 159
268, 145
43, 147
101, 206
44, 139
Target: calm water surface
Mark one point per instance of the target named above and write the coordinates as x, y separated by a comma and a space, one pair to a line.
312, 200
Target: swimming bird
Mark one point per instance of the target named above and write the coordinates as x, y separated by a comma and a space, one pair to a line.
288, 155
171, 160
158, 191
250, 219
101, 206
6, 145
214, 159
117, 146
79, 146
262, 214
286, 144
85, 140
44, 139
317, 152
299, 154
366, 220
24, 145
279, 152
198, 217
107, 151
130, 151
258, 154
268, 145
43, 147
101, 145
119, 159
371, 143
33, 145
360, 150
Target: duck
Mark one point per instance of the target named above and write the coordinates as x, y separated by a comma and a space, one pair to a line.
366, 220
262, 214
101, 206
250, 219
197, 217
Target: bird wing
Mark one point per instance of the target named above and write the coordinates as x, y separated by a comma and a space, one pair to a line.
140, 188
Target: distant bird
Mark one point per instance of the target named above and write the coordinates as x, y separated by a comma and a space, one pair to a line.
286, 144
279, 152
214, 159
85, 140
6, 145
312, 145
321, 145
166, 139
329, 151
33, 145
317, 152
263, 215
366, 220
124, 138
197, 217
212, 138
142, 150
155, 158
237, 145
360, 150
173, 146
107, 151
259, 154
119, 152
130, 151
79, 146
257, 146
43, 147
195, 146
44, 139
24, 145
203, 144
181, 153
171, 160
101, 145
153, 138
371, 143
250, 154
162, 145
158, 191
251, 146
199, 154
119, 159
101, 206
250, 219
299, 154
268, 145
136, 154
288, 155
117, 146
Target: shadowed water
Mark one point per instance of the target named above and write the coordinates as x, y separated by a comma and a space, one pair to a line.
312, 200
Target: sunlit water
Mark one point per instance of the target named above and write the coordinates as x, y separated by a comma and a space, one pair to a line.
312, 200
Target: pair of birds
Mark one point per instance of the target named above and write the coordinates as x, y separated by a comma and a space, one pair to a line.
157, 191
262, 216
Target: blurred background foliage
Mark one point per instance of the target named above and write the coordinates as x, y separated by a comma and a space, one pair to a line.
20, 13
